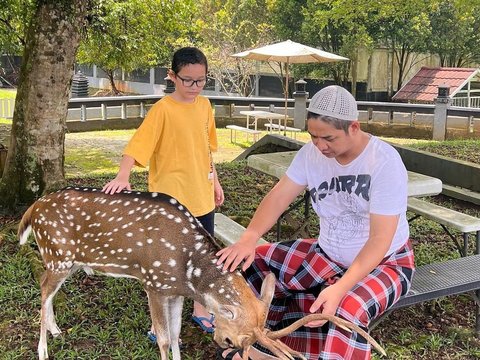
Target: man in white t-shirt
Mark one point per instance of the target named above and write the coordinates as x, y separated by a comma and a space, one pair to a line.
362, 261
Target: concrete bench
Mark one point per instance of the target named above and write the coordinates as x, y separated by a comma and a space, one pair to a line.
235, 128
293, 131
447, 218
228, 231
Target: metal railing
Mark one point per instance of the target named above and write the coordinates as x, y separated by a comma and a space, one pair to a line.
126, 107
470, 102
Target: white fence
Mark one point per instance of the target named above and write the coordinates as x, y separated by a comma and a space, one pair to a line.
6, 108
471, 102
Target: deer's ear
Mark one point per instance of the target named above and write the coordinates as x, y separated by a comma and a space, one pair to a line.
228, 312
268, 288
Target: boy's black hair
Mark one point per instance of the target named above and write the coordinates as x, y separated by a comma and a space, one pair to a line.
188, 55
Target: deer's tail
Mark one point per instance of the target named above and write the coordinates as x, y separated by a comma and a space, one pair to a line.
25, 226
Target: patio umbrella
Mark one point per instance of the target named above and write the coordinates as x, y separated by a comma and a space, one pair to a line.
289, 52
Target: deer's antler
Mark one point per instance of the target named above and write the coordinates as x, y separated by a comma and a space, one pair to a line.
270, 339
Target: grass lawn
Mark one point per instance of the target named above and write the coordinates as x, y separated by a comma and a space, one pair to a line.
105, 318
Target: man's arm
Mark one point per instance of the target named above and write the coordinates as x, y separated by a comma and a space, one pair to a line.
382, 231
269, 210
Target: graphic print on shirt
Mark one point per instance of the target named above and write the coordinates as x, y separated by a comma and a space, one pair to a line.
349, 191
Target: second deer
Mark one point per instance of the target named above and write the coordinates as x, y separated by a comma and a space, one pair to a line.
150, 237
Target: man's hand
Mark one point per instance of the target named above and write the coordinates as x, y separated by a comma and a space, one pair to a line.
234, 254
327, 301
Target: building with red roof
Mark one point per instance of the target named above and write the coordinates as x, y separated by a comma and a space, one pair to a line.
422, 88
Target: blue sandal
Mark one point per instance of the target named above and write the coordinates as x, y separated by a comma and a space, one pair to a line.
199, 321
153, 339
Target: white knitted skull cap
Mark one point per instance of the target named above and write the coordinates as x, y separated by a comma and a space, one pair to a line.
336, 102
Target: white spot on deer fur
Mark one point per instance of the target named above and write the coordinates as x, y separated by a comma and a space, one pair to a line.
221, 290
178, 220
157, 263
129, 234
120, 250
154, 194
203, 251
139, 243
154, 277
131, 212
173, 201
185, 231
199, 237
172, 262
72, 242
198, 246
189, 272
143, 270
197, 272
211, 285
111, 219
126, 203
170, 216
149, 241
129, 250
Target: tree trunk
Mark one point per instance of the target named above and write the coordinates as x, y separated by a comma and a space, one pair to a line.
35, 162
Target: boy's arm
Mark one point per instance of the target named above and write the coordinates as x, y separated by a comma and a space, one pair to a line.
121, 180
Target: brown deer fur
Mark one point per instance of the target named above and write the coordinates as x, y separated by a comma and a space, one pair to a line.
147, 236
151, 237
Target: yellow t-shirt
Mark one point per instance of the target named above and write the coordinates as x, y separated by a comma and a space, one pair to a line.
175, 139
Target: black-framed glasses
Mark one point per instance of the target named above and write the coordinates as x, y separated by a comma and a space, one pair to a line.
190, 82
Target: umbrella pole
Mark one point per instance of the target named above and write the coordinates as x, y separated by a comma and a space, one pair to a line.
286, 99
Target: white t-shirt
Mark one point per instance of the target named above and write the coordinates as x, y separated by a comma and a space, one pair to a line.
344, 196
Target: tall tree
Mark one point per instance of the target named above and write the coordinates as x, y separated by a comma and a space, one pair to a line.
338, 26
133, 34
36, 153
14, 15
404, 28
455, 35
225, 28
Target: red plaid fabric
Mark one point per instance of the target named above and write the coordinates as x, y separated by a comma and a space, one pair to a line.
302, 269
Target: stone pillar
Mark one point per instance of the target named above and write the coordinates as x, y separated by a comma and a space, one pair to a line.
300, 109
170, 88
442, 103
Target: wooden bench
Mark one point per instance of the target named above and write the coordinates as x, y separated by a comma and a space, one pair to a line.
293, 131
228, 231
447, 218
235, 128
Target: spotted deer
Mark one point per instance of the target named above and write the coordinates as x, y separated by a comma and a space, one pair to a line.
153, 238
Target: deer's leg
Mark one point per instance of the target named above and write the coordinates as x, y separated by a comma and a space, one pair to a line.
175, 324
49, 285
159, 312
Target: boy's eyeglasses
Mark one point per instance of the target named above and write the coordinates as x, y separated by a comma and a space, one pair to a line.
190, 82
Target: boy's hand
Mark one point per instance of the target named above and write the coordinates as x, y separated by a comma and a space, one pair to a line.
115, 186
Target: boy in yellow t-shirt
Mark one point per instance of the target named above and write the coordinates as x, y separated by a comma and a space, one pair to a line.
176, 140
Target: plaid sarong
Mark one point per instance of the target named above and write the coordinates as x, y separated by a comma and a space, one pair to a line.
302, 269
